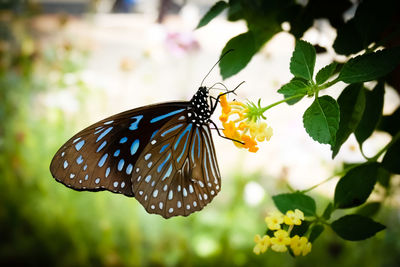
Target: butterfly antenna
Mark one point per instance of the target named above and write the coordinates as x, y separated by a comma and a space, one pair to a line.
212, 87
223, 55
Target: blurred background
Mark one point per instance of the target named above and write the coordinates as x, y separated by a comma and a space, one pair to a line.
69, 63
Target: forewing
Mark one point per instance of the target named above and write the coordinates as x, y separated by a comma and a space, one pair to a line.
177, 172
103, 156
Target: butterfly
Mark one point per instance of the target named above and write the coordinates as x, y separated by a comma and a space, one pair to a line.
161, 154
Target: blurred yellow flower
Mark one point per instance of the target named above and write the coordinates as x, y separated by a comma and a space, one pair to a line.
274, 220
241, 122
280, 240
300, 245
262, 244
293, 217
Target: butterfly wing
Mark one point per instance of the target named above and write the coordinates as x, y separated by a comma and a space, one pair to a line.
177, 172
103, 156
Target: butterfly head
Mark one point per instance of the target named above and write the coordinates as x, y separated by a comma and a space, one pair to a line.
201, 111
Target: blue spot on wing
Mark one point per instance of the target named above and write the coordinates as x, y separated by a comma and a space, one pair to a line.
154, 133
198, 140
123, 140
163, 148
129, 169
168, 173
135, 124
102, 160
188, 128
79, 145
121, 164
104, 134
101, 146
134, 147
171, 129
161, 117
162, 164
184, 148
116, 153
79, 160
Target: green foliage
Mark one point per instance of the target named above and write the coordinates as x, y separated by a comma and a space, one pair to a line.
370, 20
296, 87
285, 202
316, 231
214, 11
321, 120
354, 188
391, 161
369, 209
390, 123
372, 112
352, 103
328, 211
301, 229
244, 48
370, 66
325, 73
303, 60
356, 227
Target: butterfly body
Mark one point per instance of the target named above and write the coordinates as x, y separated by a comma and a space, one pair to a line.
163, 155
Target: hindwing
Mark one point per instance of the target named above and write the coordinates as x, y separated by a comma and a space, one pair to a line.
177, 172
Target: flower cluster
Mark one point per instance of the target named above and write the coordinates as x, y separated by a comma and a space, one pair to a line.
281, 240
242, 122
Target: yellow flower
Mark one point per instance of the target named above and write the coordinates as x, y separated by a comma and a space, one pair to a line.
274, 220
261, 131
280, 240
241, 123
300, 245
262, 244
294, 217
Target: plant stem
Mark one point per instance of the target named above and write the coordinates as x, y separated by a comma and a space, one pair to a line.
394, 139
342, 172
315, 186
328, 84
280, 102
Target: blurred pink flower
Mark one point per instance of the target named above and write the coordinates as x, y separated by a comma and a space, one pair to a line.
180, 43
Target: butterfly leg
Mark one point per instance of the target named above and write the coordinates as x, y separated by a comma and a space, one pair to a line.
217, 99
219, 133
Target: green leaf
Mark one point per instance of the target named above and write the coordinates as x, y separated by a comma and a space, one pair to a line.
384, 177
244, 48
294, 87
352, 103
328, 211
391, 160
316, 230
369, 209
356, 227
292, 201
235, 11
348, 39
372, 112
301, 229
370, 66
371, 19
390, 123
214, 11
302, 61
354, 188
325, 73
321, 120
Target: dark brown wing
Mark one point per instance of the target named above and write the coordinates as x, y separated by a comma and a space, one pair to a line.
177, 172
103, 156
